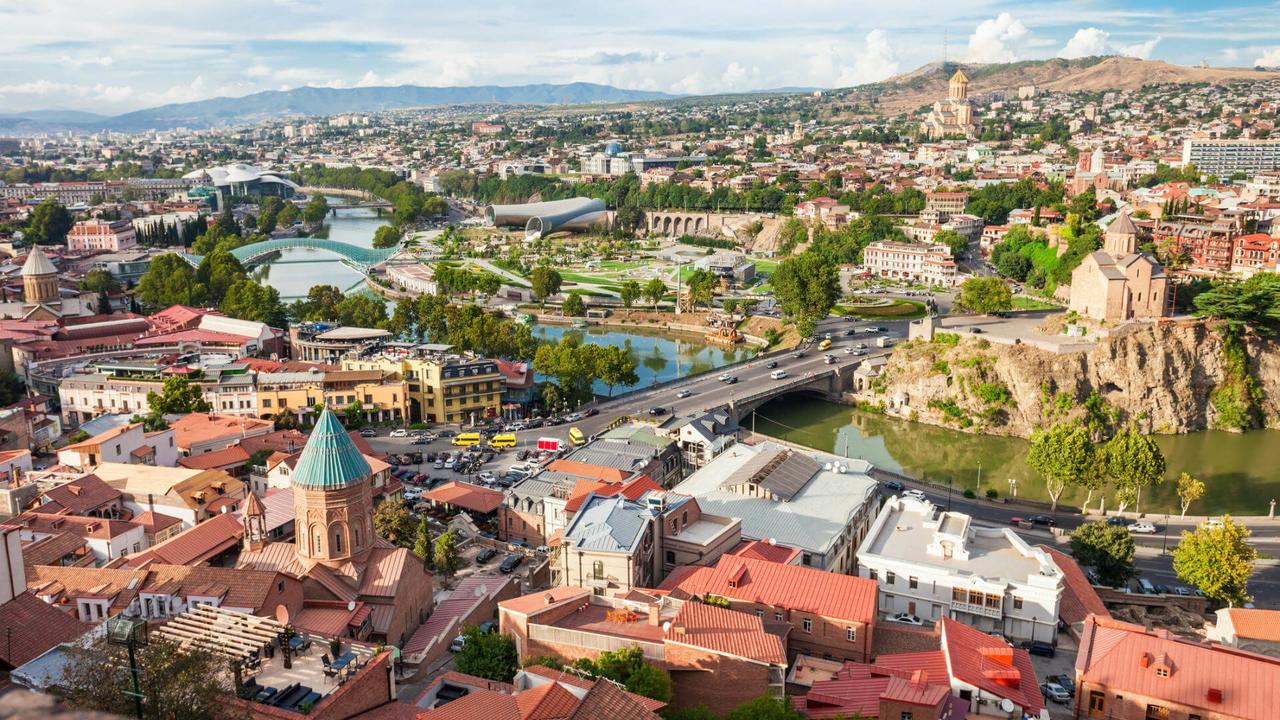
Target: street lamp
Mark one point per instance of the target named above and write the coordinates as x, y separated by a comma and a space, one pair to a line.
979, 491
130, 633
1013, 487
1164, 550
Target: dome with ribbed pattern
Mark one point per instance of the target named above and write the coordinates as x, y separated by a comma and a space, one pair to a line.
330, 461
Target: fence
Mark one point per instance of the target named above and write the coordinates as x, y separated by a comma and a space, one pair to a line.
594, 641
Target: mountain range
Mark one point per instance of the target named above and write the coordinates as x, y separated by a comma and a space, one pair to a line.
309, 101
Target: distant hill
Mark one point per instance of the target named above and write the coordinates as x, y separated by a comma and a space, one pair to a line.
330, 101
908, 91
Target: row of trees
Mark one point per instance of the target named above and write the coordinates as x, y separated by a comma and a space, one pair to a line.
410, 202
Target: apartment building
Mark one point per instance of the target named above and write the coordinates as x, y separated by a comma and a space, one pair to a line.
129, 443
916, 262
327, 343
1226, 157
540, 507
830, 615
946, 204
98, 235
1208, 242
694, 641
936, 564
441, 386
382, 395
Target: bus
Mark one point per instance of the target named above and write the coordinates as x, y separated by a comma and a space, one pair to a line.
825, 345
466, 439
503, 441
576, 437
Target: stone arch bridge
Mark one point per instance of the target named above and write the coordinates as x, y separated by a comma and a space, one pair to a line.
674, 223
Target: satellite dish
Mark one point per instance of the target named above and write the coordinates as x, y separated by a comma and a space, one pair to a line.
1006, 705
282, 614
351, 605
666, 627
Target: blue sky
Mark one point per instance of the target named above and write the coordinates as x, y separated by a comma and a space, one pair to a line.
117, 55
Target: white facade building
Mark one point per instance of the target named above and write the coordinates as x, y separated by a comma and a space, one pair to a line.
935, 564
929, 264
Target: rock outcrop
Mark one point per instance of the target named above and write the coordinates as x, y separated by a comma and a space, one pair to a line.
1161, 376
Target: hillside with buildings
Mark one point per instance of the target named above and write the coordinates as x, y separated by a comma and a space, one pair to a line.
908, 91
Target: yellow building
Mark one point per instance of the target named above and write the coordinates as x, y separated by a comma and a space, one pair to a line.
382, 394
442, 387
953, 116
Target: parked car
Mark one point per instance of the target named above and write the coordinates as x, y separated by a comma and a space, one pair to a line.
457, 644
398, 432
684, 394
1038, 647
1055, 692
905, 619
535, 423
591, 412
368, 432
893, 485
1043, 520
657, 410
510, 563
487, 477
916, 494
573, 417
1067, 683
485, 555
1144, 528
1118, 521
488, 627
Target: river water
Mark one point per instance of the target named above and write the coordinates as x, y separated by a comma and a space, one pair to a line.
297, 270
1241, 471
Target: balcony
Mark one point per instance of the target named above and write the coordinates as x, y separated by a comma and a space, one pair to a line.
980, 610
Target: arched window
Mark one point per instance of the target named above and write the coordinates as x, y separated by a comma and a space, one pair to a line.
339, 533
357, 545
316, 542
597, 570
337, 540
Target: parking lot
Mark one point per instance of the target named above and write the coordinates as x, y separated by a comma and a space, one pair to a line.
1062, 663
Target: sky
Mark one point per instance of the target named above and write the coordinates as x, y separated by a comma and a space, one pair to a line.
112, 56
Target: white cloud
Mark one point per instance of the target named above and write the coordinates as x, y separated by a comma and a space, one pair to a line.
1269, 57
735, 76
1085, 43
874, 59
54, 92
1141, 50
76, 63
1001, 39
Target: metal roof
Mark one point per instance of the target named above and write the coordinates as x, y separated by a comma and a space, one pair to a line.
330, 460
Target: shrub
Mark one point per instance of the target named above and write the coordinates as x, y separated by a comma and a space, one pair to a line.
992, 494
970, 494
941, 367
949, 339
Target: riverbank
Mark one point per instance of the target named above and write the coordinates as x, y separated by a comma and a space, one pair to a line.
690, 324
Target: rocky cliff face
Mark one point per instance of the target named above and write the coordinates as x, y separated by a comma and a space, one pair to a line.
1161, 377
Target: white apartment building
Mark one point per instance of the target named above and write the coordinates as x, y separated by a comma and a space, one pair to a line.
1224, 157
935, 564
106, 235
929, 264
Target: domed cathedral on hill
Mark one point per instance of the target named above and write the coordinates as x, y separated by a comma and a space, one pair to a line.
336, 552
41, 295
954, 115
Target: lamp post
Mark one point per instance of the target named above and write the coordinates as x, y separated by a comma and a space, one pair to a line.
1013, 487
979, 490
1164, 549
130, 633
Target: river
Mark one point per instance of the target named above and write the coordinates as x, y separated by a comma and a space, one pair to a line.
660, 355
298, 269
1241, 471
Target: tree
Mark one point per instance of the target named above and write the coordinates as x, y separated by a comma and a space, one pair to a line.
354, 414
175, 682
1132, 461
100, 281
615, 366
487, 655
170, 281
765, 707
630, 292
628, 219
1063, 454
701, 285
249, 300
289, 215
392, 520
985, 295
1190, 489
361, 311
1253, 303
628, 667
1108, 548
446, 558
321, 303
316, 210
269, 207
387, 236
422, 546
954, 241
573, 305
654, 290
177, 397
1218, 560
807, 287
545, 282
49, 223
218, 271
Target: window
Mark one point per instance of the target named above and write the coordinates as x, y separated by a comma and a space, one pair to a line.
1157, 712
597, 570
777, 616
1017, 603
759, 613
913, 583
807, 559
808, 625
337, 540
906, 715
1097, 701
851, 634
872, 574
671, 557
1162, 671
889, 577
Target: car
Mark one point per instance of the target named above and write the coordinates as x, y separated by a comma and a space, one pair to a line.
1182, 590
487, 477
535, 423
905, 619
1055, 692
457, 644
861, 346
573, 417
916, 494
1211, 523
368, 432
420, 441
485, 555
1038, 647
450, 464
1118, 521
797, 355
1043, 520
516, 426
656, 411
510, 563
733, 379
722, 377
438, 464
893, 485
850, 332
1066, 682
975, 330
398, 432
829, 359
684, 394
488, 627
591, 412
827, 336
771, 364
1143, 528
1017, 520
446, 433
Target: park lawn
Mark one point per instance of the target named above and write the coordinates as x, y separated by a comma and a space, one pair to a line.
619, 265
899, 310
1024, 302
589, 279
766, 266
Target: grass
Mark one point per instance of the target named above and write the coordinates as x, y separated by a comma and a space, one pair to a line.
1023, 302
766, 266
899, 310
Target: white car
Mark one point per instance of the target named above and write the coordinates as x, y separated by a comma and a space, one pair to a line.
573, 417
905, 619
684, 394
916, 494
1211, 523
487, 478
1144, 528
1055, 692
399, 432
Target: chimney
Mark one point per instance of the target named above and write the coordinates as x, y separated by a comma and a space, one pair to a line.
1214, 695
549, 598
654, 615
1144, 660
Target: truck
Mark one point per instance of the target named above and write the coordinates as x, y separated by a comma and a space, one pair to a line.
550, 444
884, 341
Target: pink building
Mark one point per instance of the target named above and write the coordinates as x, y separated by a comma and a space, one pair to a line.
106, 235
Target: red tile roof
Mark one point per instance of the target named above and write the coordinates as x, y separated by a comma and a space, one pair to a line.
761, 550
79, 496
31, 626
196, 545
857, 690
1079, 599
1255, 624
567, 678
726, 631
991, 664
587, 470
227, 457
533, 602
466, 496
843, 597
1124, 658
